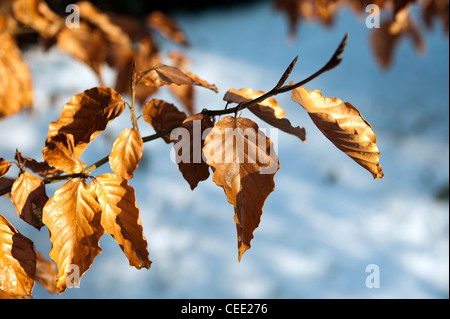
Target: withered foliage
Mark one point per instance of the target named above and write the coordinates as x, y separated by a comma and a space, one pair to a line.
86, 206
397, 20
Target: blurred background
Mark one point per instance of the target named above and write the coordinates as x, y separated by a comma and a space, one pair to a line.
327, 219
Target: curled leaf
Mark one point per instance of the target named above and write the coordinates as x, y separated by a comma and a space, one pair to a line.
43, 169
86, 115
344, 126
164, 75
59, 151
162, 116
268, 110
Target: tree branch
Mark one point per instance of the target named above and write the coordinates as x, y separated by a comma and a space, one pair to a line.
332, 63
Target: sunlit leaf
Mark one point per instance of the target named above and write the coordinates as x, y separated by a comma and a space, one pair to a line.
344, 126
59, 151
120, 217
17, 262
29, 197
268, 110
86, 115
72, 216
244, 164
126, 153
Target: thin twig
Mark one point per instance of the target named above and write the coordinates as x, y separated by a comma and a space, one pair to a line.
332, 63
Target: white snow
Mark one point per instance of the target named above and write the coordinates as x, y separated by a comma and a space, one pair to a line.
327, 218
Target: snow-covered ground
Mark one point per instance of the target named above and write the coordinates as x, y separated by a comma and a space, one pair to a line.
327, 219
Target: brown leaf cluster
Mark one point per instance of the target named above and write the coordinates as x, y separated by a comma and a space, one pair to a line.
99, 39
397, 20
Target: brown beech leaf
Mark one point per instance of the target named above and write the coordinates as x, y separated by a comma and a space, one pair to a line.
126, 153
86, 44
16, 91
163, 74
37, 15
120, 217
46, 273
4, 166
344, 126
29, 197
167, 26
269, 111
162, 116
118, 43
386, 38
17, 262
59, 151
43, 169
72, 216
244, 164
188, 145
86, 115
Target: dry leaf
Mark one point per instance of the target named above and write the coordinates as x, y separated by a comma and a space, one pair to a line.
118, 43
4, 166
244, 164
46, 273
16, 90
120, 217
344, 126
72, 216
386, 38
37, 15
268, 110
86, 115
29, 197
126, 153
164, 75
167, 26
86, 44
59, 151
17, 262
43, 169
188, 145
162, 116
